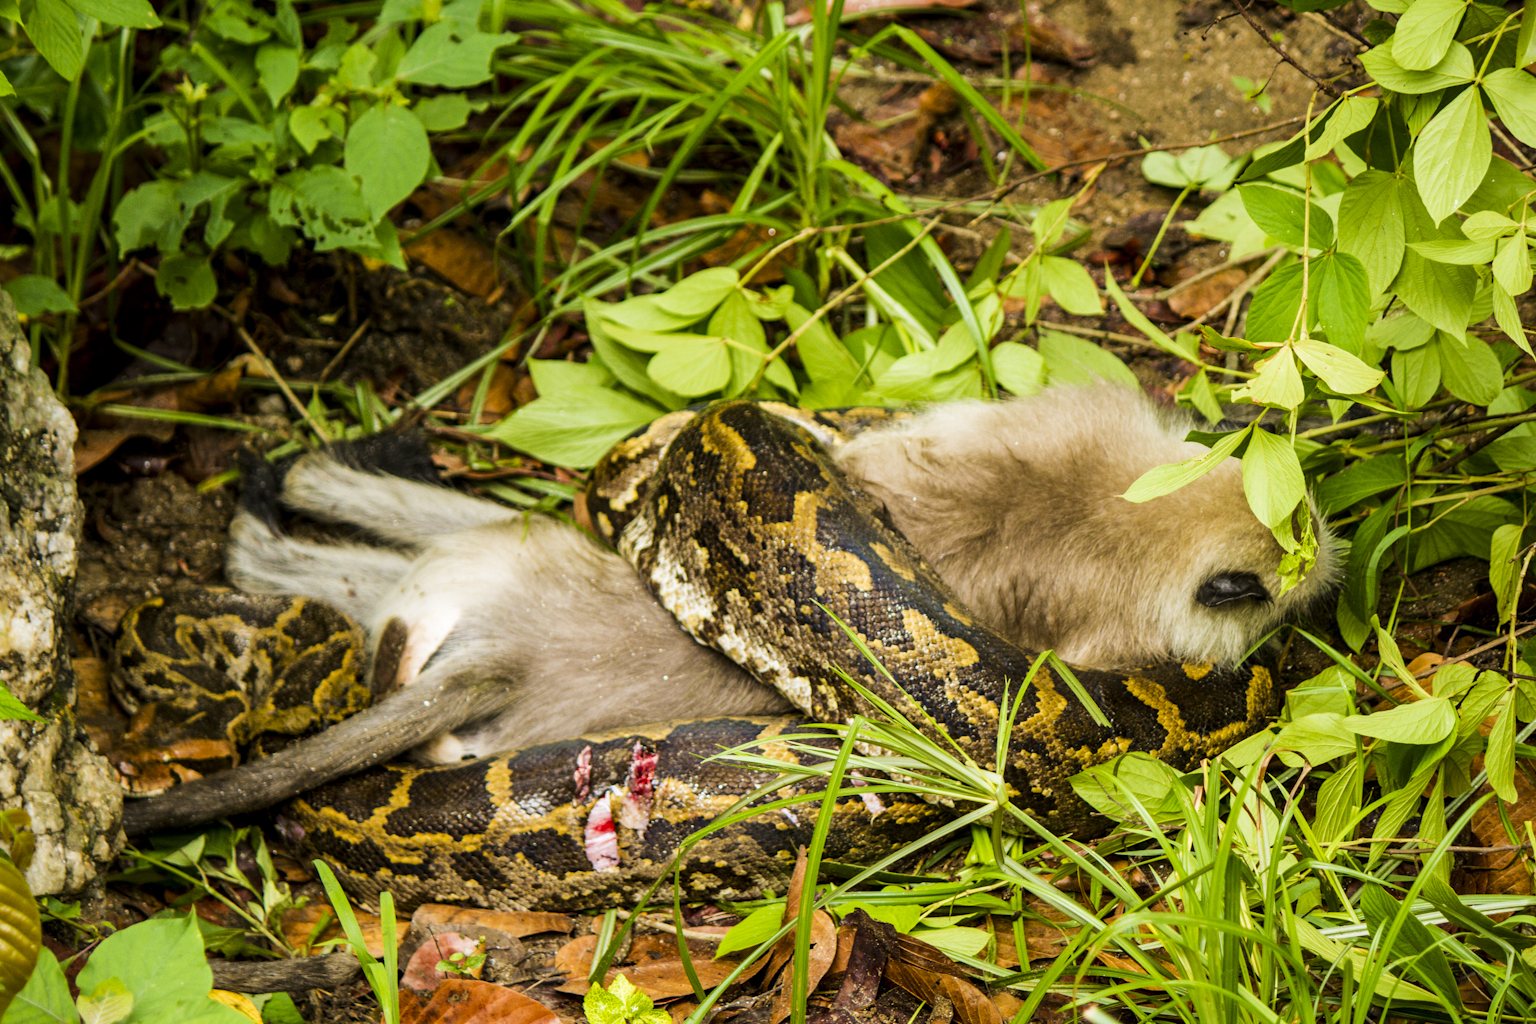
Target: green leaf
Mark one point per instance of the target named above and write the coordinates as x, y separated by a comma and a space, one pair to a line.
1343, 293
1365, 479
12, 709
1507, 314
1454, 69
312, 125
1416, 946
1272, 315
1342, 372
1525, 44
1161, 480
1512, 266
697, 366
1069, 284
45, 997
35, 295
1048, 223
443, 113
1416, 374
752, 930
573, 427
823, 356
1513, 93
279, 68
1503, 567
1455, 251
387, 148
1203, 397
132, 13
1499, 758
187, 281
1070, 360
1137, 319
326, 203
1421, 722
1197, 166
1486, 225
1019, 368
1115, 788
452, 54
1452, 153
551, 376
1338, 804
1425, 31
1319, 737
697, 294
1272, 477
955, 940
1469, 368
51, 26
1371, 226
177, 989
1278, 382
1354, 114
1441, 294
1280, 213
109, 1003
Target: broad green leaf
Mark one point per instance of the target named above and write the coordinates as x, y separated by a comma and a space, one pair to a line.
109, 1003
1466, 531
823, 356
1525, 44
177, 989
1272, 477
1019, 368
279, 68
1469, 368
143, 213
1272, 315
1197, 166
1354, 114
1513, 93
1156, 482
53, 30
1280, 213
628, 366
752, 930
12, 709
311, 125
697, 366
1456, 251
771, 305
1338, 804
1278, 382
1507, 314
1069, 284
1499, 758
1049, 221
35, 295
1415, 946
1440, 293
954, 940
44, 999
1425, 32
1371, 226
1137, 319
443, 113
1364, 479
1203, 397
698, 293
1342, 372
1117, 787
1486, 225
451, 54
1512, 266
735, 319
1452, 153
1454, 69
1504, 567
325, 202
573, 427
1319, 737
1070, 360
1421, 722
133, 13
388, 150
1343, 294
187, 281
551, 376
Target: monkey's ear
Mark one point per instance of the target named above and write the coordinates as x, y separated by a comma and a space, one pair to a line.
1226, 587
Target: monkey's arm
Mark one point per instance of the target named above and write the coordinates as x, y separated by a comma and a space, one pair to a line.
445, 697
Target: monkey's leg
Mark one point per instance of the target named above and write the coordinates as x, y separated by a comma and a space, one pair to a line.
448, 693
399, 510
351, 577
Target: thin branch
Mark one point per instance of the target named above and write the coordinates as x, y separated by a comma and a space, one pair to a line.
1326, 86
335, 362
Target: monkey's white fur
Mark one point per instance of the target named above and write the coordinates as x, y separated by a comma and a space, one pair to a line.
1016, 504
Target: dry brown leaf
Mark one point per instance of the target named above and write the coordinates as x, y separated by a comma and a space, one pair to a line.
823, 950
421, 971
516, 923
498, 395
215, 389
1198, 299
971, 1004
297, 925
653, 966
1008, 1004
1499, 872
897, 134
1047, 40
1043, 938
461, 260
472, 1002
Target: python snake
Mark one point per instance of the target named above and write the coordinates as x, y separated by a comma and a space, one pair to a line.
742, 526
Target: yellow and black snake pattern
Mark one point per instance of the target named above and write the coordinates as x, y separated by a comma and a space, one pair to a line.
740, 523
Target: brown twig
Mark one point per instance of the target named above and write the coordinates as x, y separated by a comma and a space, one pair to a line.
129, 268
335, 362
1474, 652
271, 371
1127, 153
1326, 86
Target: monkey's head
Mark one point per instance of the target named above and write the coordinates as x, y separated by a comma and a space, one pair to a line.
1019, 506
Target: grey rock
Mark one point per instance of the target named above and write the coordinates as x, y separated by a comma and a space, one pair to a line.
46, 768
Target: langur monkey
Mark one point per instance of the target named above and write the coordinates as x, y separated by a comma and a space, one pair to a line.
492, 630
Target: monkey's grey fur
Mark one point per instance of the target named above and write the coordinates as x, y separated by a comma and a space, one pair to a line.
494, 630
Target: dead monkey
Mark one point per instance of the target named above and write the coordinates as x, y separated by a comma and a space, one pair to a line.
498, 630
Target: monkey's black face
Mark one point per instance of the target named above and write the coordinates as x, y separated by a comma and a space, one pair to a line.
1224, 588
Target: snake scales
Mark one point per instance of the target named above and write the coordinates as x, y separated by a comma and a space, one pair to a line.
744, 529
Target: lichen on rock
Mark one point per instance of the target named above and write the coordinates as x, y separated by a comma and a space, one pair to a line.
46, 768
